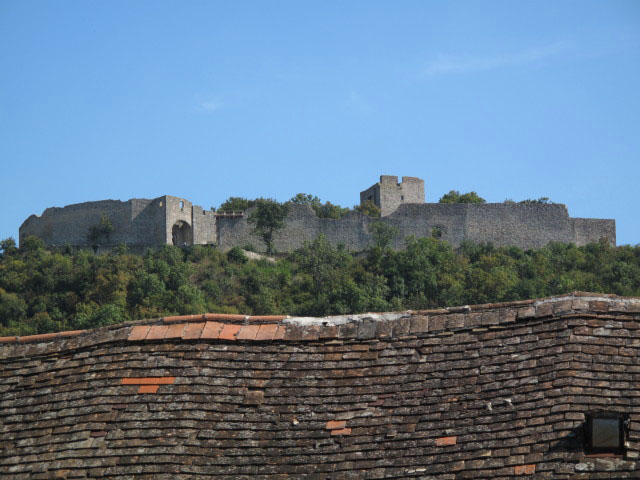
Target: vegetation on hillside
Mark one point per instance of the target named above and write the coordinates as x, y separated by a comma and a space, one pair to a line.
43, 291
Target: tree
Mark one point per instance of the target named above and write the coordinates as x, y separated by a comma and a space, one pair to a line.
267, 218
322, 261
236, 204
322, 210
369, 209
8, 247
382, 234
306, 199
454, 196
101, 232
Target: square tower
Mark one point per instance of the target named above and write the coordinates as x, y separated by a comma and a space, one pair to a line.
388, 194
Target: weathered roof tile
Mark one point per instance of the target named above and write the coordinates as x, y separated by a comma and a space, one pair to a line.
157, 332
193, 331
327, 398
229, 332
211, 330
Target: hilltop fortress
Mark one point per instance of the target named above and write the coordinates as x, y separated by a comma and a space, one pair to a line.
144, 223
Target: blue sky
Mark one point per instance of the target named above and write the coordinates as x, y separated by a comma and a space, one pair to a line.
205, 100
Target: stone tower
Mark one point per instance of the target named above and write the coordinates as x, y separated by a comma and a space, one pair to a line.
388, 194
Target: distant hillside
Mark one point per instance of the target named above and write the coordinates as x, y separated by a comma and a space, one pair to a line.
43, 291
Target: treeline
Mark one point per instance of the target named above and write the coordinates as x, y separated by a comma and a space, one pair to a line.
43, 291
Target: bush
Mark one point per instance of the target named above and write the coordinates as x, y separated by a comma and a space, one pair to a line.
236, 255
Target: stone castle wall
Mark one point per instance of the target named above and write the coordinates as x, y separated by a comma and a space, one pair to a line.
145, 222
525, 226
139, 222
136, 221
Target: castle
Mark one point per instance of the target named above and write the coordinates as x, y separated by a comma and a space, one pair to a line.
144, 223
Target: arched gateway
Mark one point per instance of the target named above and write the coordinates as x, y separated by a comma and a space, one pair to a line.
181, 233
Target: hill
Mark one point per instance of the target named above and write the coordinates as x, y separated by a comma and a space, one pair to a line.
44, 291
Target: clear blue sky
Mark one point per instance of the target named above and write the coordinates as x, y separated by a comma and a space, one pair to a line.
204, 100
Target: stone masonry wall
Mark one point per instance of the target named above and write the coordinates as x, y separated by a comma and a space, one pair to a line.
150, 222
525, 226
136, 221
204, 226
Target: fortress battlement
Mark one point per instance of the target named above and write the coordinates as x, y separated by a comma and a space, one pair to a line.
174, 220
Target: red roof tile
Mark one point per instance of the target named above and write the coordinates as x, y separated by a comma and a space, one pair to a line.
183, 318
175, 330
148, 388
336, 424
229, 332
248, 332
444, 441
148, 380
267, 332
139, 332
157, 332
212, 330
224, 317
193, 331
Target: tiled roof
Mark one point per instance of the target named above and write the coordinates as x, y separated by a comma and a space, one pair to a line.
485, 391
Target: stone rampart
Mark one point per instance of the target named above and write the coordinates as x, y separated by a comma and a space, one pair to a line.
525, 226
168, 219
136, 221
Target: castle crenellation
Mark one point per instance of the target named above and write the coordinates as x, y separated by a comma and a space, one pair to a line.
144, 223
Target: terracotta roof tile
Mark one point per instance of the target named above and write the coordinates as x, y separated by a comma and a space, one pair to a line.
211, 330
524, 469
175, 330
148, 388
139, 332
71, 333
267, 332
157, 332
229, 332
193, 331
444, 441
183, 318
44, 337
148, 380
279, 335
336, 424
248, 332
224, 317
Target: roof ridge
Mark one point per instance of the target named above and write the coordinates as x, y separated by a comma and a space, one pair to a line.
533, 308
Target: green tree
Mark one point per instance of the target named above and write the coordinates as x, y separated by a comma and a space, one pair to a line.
382, 235
101, 232
369, 209
306, 199
454, 196
8, 247
268, 218
322, 261
236, 204
322, 210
